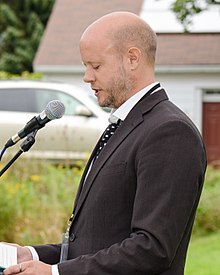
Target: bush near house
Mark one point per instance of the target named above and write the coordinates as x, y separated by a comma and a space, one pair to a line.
208, 212
24, 76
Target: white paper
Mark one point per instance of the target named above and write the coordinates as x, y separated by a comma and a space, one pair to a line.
8, 255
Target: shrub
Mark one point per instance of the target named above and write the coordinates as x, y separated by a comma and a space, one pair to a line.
208, 212
36, 200
24, 76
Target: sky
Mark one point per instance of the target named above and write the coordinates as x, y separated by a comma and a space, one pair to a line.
158, 14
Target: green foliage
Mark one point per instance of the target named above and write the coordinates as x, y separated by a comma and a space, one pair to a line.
8, 17
186, 9
22, 25
208, 212
24, 75
36, 200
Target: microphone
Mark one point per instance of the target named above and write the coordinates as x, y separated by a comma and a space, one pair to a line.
55, 109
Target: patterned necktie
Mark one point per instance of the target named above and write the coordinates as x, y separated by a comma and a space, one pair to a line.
106, 136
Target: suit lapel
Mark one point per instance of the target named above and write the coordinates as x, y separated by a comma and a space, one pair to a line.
107, 151
134, 118
85, 172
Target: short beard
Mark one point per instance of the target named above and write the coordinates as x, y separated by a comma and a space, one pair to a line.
119, 91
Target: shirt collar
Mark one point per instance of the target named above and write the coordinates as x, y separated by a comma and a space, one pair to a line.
126, 107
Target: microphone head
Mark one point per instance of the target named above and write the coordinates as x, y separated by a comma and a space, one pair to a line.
55, 109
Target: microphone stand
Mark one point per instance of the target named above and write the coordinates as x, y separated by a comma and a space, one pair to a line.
24, 147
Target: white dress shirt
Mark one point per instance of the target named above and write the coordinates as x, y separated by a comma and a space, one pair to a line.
126, 107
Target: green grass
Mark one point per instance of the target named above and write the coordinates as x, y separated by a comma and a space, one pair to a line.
204, 256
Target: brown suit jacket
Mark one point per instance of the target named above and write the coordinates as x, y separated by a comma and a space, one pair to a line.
135, 212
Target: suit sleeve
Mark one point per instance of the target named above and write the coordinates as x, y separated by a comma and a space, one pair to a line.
48, 253
170, 166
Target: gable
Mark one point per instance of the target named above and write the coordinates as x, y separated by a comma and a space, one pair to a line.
68, 20
60, 43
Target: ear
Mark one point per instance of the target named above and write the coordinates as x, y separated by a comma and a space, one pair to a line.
134, 56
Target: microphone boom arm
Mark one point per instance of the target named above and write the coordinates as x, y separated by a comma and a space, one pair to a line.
24, 147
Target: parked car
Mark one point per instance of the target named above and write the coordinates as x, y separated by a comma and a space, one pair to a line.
71, 137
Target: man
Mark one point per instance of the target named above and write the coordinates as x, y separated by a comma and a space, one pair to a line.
137, 199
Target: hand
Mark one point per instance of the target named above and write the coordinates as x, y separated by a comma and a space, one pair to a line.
23, 253
29, 268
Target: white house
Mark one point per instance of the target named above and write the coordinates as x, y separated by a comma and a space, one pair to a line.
187, 64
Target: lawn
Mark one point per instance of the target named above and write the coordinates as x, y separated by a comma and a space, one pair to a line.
204, 256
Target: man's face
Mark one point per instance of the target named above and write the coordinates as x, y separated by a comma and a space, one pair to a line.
106, 73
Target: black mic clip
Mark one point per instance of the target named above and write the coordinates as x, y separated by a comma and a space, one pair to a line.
24, 147
32, 125
29, 141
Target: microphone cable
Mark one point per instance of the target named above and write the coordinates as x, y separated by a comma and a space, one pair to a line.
2, 153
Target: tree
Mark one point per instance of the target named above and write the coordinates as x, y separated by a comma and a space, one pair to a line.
186, 9
22, 25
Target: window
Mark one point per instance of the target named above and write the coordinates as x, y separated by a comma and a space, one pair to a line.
35, 100
17, 100
45, 96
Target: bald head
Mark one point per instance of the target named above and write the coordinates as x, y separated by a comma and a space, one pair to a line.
123, 30
118, 51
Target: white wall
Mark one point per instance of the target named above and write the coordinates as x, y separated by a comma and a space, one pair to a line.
184, 89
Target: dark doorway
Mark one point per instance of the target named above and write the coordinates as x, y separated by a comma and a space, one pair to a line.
211, 130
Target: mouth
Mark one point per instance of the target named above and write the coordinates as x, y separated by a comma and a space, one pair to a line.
97, 91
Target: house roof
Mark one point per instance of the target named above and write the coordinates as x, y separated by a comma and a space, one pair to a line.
59, 45
68, 20
188, 49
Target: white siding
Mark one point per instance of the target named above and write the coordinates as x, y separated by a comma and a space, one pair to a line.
184, 89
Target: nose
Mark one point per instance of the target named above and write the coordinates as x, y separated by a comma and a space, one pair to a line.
89, 76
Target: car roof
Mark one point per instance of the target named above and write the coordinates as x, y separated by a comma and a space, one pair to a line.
86, 97
41, 84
